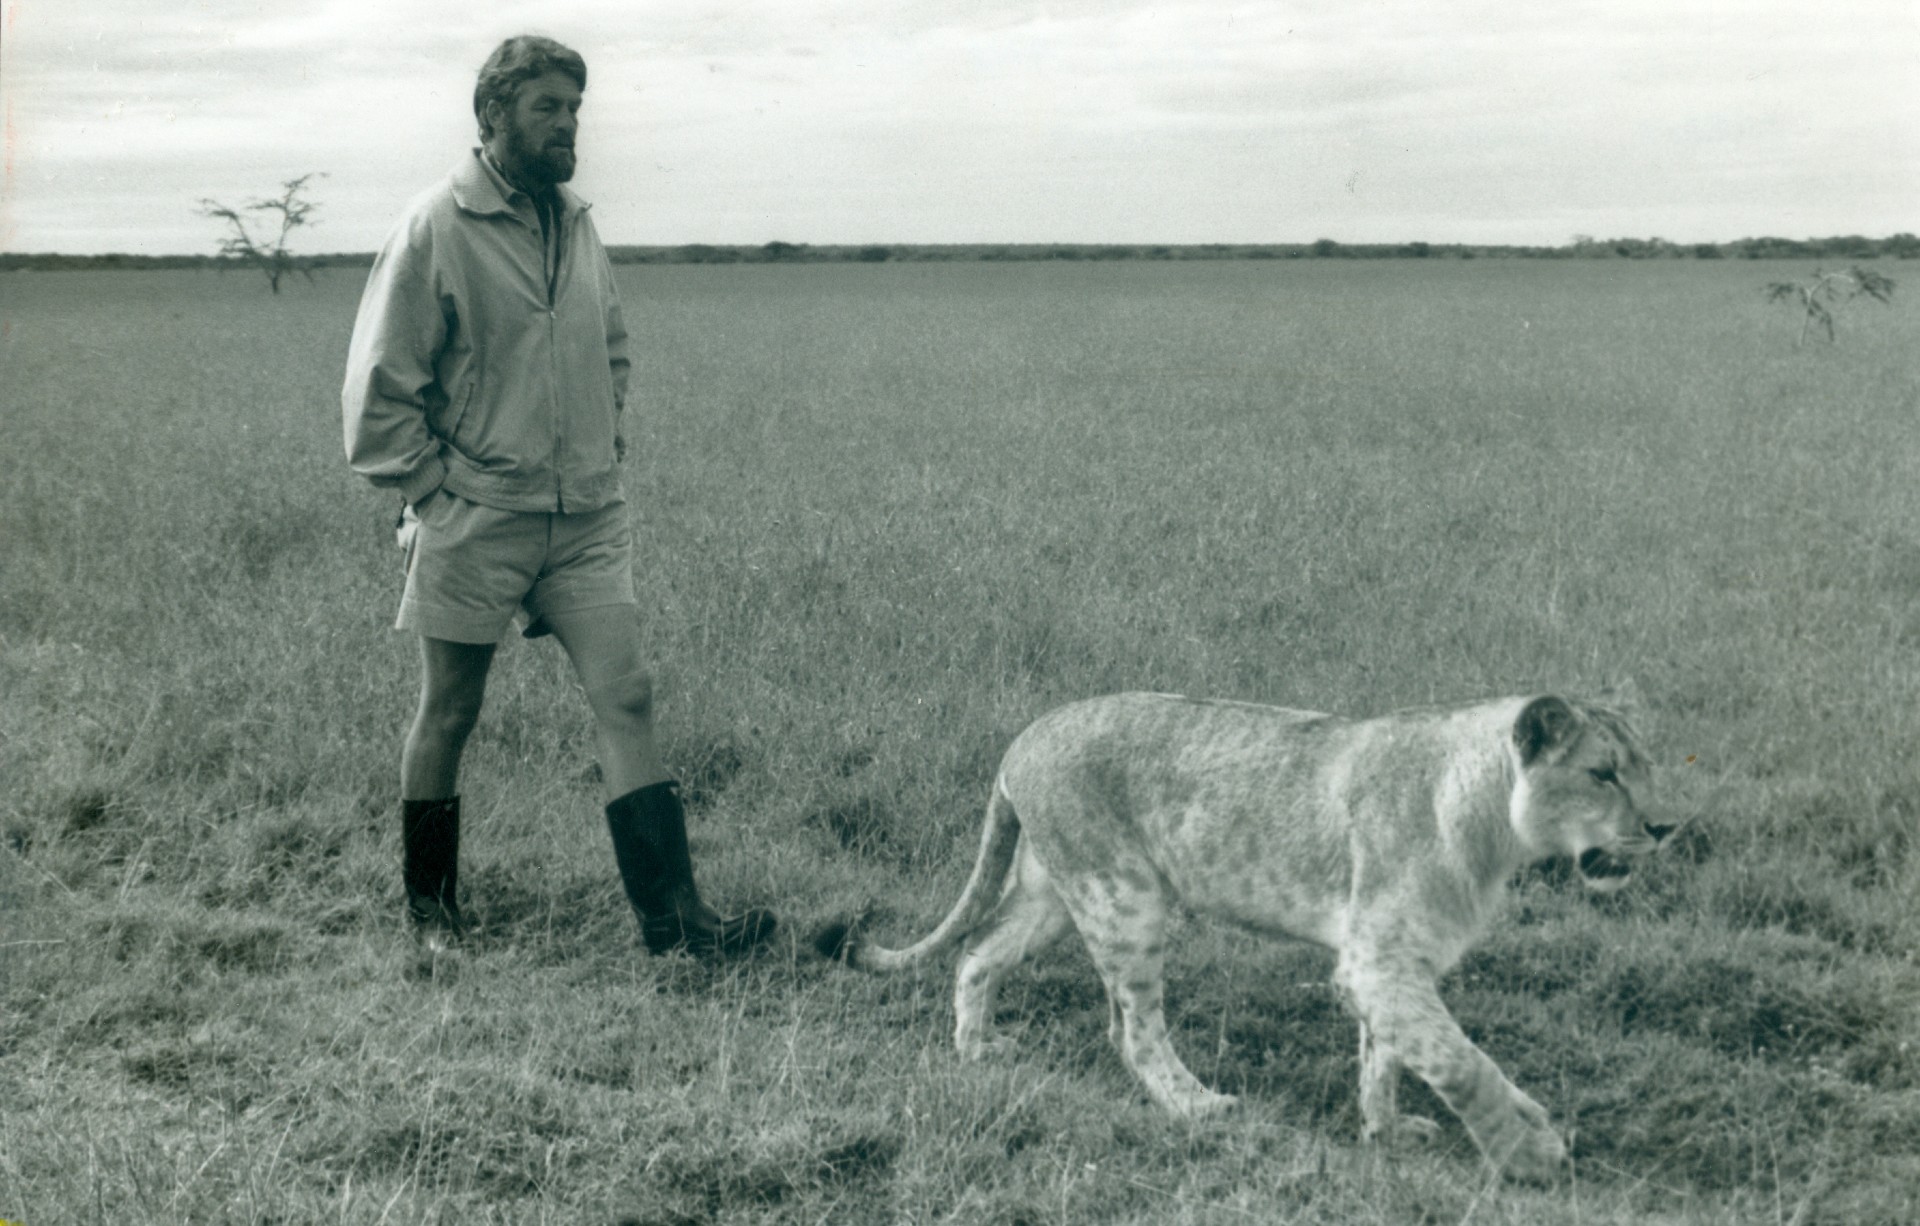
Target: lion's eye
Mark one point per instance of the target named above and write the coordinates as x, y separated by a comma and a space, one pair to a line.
1604, 774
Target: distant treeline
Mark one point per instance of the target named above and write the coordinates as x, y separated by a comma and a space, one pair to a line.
10, 261
1843, 247
1851, 247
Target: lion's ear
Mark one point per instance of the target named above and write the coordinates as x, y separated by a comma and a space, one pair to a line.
1623, 696
1544, 724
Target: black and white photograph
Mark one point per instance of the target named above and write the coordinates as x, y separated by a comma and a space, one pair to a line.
1005, 613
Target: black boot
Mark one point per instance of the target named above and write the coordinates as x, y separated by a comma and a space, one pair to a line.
650, 843
430, 841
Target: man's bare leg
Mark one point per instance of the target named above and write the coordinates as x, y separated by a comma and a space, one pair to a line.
453, 686
644, 816
604, 646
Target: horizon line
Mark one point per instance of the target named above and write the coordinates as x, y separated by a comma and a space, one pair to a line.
1140, 244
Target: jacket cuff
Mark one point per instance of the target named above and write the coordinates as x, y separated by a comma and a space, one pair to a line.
424, 480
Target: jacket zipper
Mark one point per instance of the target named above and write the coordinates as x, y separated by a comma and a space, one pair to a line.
553, 343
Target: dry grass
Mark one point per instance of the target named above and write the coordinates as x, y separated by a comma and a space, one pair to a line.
888, 515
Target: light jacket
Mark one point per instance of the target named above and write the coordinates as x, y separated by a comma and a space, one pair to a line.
466, 371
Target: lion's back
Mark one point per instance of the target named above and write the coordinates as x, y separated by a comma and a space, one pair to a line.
1148, 718
1227, 801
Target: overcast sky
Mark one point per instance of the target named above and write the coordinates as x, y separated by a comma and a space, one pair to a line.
940, 121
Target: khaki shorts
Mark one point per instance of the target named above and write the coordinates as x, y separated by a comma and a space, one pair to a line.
471, 568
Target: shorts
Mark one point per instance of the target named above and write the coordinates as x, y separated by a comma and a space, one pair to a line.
471, 568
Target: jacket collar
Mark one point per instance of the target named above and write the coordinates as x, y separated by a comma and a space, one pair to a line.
479, 190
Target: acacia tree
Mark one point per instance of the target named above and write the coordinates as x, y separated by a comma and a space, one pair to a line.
1822, 296
271, 257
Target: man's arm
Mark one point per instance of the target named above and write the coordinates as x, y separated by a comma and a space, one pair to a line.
618, 362
399, 332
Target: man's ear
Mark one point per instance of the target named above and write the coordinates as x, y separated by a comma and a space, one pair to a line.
1545, 724
493, 116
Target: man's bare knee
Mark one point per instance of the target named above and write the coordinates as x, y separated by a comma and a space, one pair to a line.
627, 698
454, 685
448, 719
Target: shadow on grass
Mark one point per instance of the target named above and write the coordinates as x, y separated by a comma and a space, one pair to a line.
716, 1185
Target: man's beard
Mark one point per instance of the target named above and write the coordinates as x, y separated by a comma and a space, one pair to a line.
538, 168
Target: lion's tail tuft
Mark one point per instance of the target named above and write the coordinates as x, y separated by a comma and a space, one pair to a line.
844, 942
836, 942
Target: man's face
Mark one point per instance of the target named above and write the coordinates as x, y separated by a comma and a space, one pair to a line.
535, 141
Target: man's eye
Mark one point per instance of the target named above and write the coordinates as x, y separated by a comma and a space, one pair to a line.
1604, 774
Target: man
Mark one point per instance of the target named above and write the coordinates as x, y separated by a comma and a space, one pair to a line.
485, 384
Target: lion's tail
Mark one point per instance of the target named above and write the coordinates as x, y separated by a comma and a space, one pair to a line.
984, 887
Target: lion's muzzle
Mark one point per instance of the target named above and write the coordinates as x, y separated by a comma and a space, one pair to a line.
1607, 868
1602, 870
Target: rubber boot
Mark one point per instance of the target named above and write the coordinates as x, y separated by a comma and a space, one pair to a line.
649, 831
430, 841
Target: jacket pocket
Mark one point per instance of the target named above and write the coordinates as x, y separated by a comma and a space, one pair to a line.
466, 403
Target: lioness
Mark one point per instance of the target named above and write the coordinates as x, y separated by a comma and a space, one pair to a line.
1388, 840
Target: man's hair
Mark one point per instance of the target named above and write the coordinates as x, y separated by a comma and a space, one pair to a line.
515, 62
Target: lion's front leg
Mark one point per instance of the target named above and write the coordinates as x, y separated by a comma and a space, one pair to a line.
1380, 1094
1403, 1016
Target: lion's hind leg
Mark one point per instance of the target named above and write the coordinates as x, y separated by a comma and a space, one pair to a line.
1029, 917
1122, 916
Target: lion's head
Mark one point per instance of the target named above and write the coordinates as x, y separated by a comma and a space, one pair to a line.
1585, 790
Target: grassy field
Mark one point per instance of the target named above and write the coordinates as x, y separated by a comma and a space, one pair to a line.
888, 515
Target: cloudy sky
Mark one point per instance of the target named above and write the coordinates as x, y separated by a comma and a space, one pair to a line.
845, 121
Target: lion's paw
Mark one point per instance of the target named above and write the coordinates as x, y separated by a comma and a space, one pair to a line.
1539, 1157
995, 1048
1204, 1106
1406, 1130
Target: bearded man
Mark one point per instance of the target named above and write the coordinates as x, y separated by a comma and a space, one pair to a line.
486, 383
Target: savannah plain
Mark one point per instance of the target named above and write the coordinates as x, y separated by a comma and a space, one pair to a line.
887, 515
